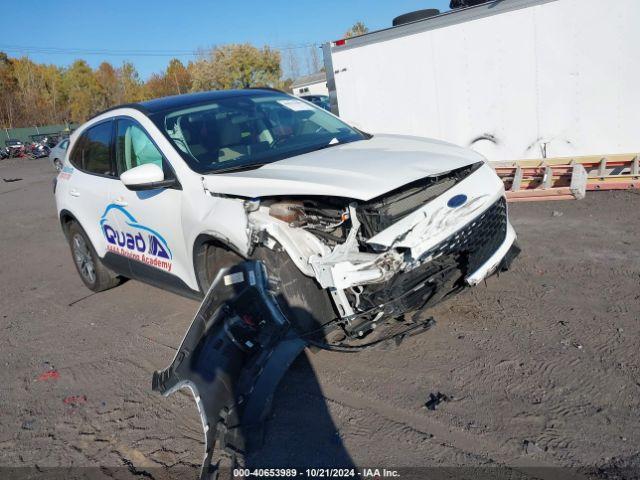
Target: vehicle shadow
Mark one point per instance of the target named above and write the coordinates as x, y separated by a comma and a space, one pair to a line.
300, 431
244, 359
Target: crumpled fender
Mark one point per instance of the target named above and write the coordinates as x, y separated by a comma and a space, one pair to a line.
232, 358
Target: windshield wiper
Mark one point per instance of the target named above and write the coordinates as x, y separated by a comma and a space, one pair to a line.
238, 168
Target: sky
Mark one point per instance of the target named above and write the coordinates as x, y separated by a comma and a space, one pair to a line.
150, 32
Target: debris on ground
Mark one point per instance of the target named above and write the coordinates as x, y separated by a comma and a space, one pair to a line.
530, 448
435, 400
28, 424
9, 180
75, 400
566, 343
49, 375
556, 213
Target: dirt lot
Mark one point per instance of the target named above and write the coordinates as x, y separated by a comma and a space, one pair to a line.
541, 363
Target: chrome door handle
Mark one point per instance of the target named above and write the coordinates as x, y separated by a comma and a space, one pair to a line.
74, 193
120, 202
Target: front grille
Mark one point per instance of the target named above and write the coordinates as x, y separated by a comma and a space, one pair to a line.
382, 212
478, 240
454, 258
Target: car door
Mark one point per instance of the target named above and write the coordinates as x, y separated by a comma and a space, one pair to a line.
89, 182
151, 220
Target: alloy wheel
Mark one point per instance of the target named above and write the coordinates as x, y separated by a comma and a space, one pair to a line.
83, 259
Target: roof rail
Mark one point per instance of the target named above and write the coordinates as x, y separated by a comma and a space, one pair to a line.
135, 106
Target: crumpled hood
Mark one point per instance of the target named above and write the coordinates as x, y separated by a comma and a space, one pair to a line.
361, 170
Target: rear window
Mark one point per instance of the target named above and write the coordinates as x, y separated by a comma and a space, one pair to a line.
91, 152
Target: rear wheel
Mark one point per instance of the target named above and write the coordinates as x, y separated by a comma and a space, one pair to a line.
94, 274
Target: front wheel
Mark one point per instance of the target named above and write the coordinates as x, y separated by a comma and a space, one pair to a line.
94, 274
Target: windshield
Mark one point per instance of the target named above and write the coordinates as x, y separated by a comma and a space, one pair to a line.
247, 131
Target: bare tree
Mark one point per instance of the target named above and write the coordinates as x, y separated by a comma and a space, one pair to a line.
314, 65
292, 63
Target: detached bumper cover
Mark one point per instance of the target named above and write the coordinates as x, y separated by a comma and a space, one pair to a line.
232, 358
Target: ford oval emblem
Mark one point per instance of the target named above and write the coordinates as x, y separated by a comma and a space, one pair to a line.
457, 201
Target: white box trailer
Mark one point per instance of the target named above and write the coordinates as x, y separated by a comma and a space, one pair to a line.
513, 79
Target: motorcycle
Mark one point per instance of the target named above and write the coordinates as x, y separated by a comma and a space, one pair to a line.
37, 150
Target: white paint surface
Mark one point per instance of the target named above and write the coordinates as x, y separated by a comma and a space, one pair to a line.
363, 170
561, 74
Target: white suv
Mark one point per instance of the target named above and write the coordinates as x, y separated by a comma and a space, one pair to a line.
355, 227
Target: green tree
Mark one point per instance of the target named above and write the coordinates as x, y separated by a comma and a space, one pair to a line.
175, 80
178, 77
130, 87
82, 91
37, 91
156, 86
108, 82
35, 94
8, 86
236, 66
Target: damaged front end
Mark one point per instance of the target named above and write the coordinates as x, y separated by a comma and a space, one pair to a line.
232, 358
376, 259
395, 254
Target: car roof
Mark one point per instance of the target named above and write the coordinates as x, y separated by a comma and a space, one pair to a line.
156, 105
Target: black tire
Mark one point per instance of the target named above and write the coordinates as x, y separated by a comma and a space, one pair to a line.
415, 16
307, 305
93, 273
57, 164
210, 258
302, 300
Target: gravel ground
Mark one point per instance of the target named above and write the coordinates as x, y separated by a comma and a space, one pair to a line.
541, 363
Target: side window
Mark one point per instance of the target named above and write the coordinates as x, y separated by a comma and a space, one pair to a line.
134, 147
64, 144
91, 152
75, 157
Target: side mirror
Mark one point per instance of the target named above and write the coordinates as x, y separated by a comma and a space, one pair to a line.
146, 177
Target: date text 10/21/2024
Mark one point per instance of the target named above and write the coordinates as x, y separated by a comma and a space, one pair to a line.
372, 473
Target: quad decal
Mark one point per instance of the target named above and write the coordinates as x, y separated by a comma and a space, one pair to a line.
138, 242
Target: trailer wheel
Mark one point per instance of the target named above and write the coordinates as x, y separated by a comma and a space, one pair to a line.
415, 16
